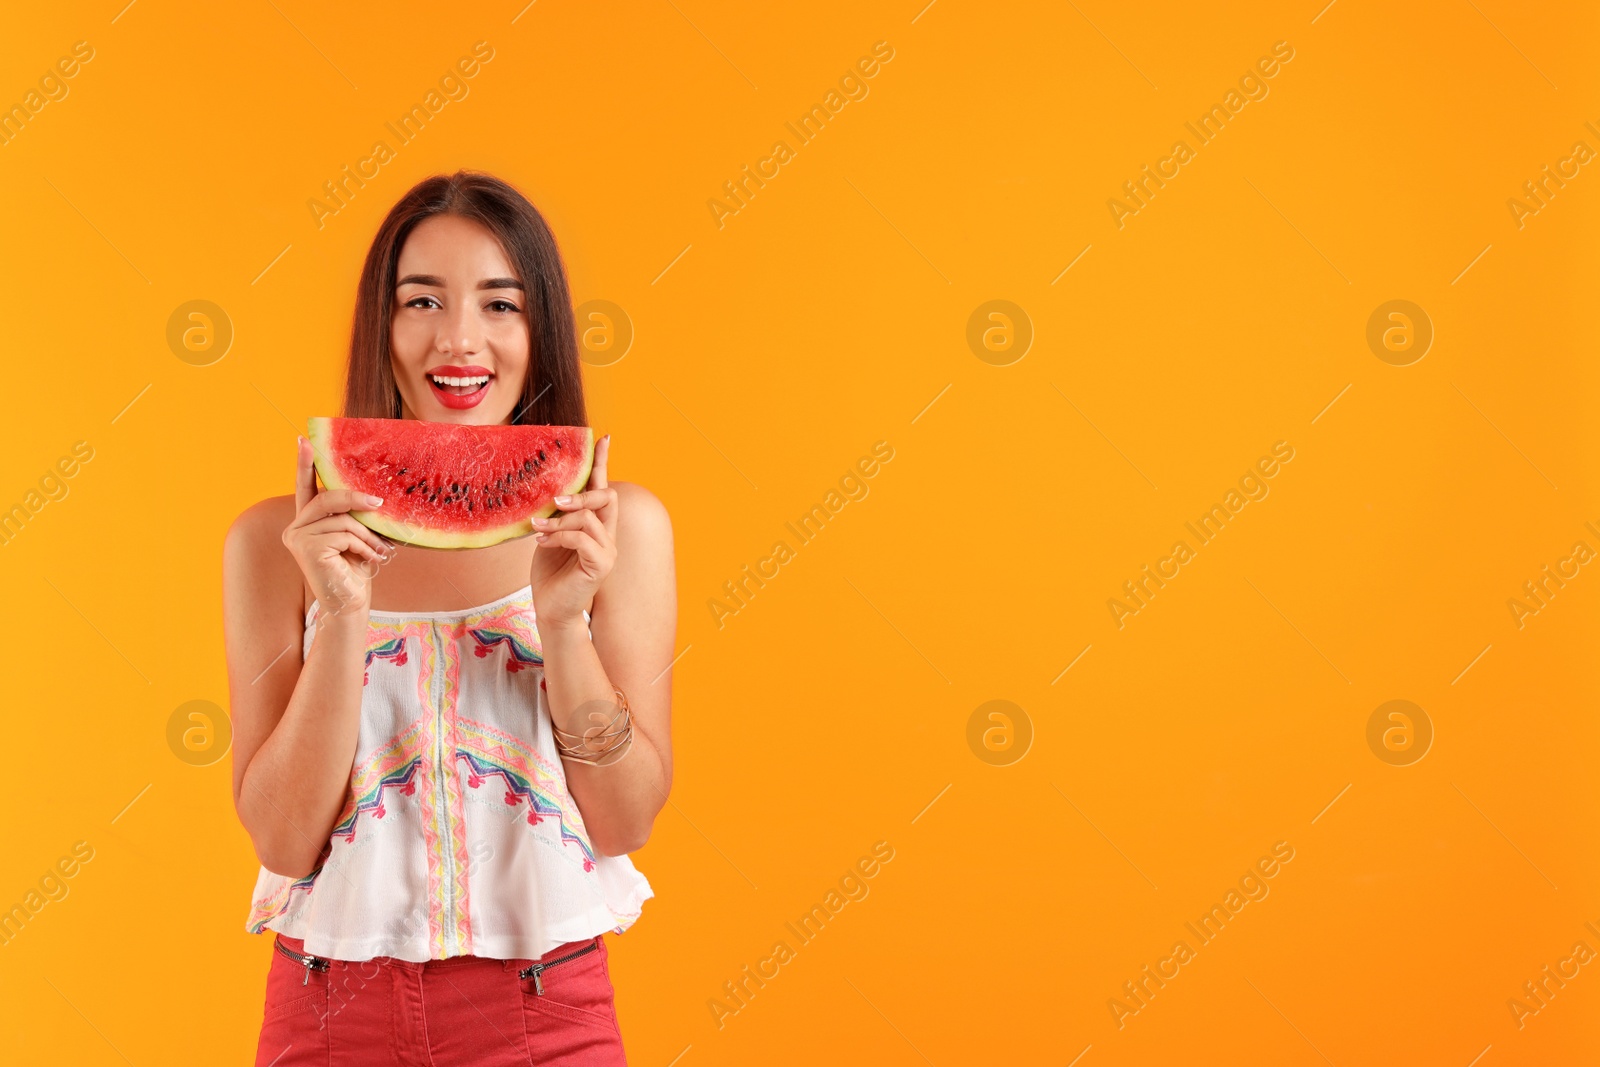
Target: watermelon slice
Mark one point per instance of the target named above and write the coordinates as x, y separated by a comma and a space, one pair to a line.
447, 485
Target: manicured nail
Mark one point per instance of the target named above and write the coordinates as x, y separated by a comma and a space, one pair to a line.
374, 501
563, 500
541, 522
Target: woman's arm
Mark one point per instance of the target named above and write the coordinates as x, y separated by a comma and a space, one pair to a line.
634, 620
295, 726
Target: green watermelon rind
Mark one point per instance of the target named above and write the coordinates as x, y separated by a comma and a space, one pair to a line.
318, 430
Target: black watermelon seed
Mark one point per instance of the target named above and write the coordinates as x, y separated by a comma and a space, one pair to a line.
541, 455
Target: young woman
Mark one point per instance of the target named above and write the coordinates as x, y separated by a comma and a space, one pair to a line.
443, 758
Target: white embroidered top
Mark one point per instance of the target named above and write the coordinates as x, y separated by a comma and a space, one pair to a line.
458, 836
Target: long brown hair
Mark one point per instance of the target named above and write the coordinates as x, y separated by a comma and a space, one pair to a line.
553, 391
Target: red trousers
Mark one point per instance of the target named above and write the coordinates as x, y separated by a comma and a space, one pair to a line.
462, 1010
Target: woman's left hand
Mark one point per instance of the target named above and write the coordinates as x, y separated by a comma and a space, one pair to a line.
575, 550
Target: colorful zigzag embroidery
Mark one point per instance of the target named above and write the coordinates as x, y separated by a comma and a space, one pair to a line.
402, 778
521, 642
395, 765
490, 752
392, 649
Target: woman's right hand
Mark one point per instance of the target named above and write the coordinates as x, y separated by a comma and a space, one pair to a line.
337, 555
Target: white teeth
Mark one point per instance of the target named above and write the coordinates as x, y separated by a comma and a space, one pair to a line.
442, 380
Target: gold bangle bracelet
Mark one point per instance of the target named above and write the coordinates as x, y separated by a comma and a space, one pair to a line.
622, 709
625, 746
594, 746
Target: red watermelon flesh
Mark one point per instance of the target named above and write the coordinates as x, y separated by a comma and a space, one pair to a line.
448, 485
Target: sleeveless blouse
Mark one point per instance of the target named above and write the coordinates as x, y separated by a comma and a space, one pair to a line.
458, 836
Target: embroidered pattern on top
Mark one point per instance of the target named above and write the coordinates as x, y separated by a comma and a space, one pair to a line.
486, 750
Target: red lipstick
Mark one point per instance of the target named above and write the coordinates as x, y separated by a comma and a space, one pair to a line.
467, 394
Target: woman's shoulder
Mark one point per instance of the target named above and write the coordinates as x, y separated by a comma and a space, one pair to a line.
644, 549
641, 510
640, 497
253, 553
262, 523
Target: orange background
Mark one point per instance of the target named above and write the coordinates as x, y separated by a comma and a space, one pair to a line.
825, 316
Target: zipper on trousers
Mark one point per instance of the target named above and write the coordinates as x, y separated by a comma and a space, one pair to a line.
310, 963
539, 968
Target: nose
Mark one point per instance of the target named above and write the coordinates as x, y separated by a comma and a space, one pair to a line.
459, 334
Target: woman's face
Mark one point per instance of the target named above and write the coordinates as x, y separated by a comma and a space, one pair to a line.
459, 340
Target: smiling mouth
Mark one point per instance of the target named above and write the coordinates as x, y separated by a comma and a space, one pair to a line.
460, 391
459, 386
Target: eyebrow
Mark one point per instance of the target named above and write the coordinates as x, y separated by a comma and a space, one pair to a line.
438, 282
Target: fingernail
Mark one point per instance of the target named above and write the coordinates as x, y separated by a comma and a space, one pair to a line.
540, 536
563, 500
541, 522
374, 501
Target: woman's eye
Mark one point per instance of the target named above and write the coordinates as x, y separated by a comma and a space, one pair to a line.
428, 302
